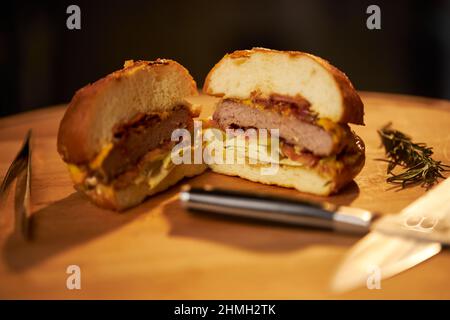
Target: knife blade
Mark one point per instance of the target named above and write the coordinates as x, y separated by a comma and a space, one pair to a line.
386, 254
398, 242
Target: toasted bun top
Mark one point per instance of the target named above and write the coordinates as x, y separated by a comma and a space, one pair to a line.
290, 73
140, 87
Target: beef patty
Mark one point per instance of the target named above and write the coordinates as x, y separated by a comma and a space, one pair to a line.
135, 138
295, 129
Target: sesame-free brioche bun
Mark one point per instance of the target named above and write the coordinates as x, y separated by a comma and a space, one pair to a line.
140, 87
290, 73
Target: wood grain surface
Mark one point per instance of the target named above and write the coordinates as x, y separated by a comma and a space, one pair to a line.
158, 250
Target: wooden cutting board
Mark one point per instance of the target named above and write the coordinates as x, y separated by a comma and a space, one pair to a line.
158, 250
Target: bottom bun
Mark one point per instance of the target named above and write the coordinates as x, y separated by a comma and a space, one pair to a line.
303, 179
134, 194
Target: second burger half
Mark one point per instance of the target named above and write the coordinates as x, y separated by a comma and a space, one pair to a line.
307, 99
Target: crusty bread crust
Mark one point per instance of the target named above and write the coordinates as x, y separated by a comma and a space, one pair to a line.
353, 107
139, 87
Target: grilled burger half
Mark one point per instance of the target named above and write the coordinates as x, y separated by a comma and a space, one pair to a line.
116, 133
307, 99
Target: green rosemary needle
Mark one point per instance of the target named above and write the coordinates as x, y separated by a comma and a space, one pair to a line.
415, 158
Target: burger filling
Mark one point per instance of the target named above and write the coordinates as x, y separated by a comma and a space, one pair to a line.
297, 124
305, 139
140, 150
133, 139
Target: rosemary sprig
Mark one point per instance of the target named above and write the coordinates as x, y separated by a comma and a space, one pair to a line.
415, 158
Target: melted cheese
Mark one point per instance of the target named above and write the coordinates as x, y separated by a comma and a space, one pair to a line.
76, 173
336, 131
158, 174
98, 160
157, 170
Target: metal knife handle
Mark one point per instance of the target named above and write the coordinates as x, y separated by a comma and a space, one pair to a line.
278, 209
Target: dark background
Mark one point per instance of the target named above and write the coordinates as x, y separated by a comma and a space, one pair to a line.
43, 63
